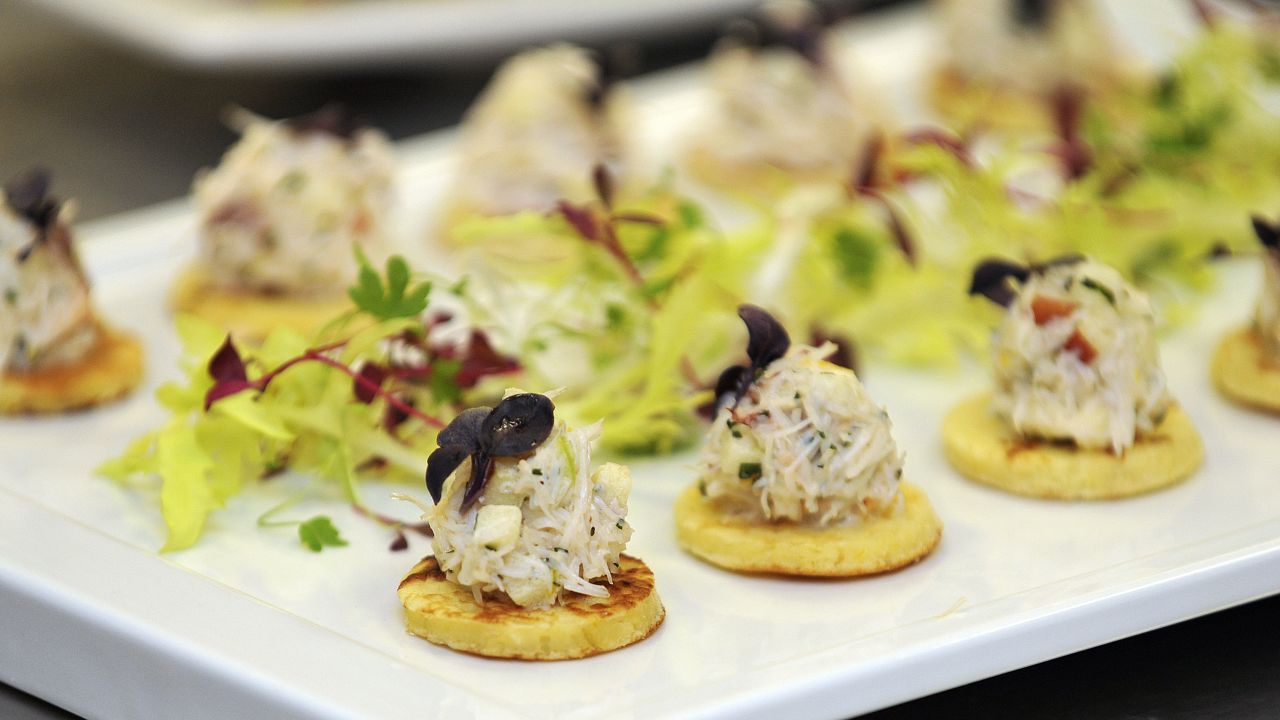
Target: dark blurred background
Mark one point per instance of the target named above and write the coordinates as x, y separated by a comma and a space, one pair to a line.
122, 130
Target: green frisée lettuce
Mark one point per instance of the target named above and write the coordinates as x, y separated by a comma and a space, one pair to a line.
364, 395
623, 304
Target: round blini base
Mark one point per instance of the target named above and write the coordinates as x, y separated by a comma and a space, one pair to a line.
874, 545
107, 372
982, 448
446, 613
252, 316
1242, 374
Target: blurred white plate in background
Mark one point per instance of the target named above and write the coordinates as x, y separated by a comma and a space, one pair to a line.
331, 33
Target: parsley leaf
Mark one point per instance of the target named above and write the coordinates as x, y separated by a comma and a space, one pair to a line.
857, 255
318, 533
393, 300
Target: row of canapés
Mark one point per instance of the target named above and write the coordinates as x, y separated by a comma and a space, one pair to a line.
278, 215
799, 473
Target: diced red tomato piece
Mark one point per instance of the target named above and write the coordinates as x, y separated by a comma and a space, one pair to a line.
1081, 347
1046, 308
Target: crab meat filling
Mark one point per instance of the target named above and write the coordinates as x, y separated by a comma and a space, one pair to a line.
544, 525
282, 211
535, 135
804, 445
46, 318
776, 107
1028, 45
1076, 359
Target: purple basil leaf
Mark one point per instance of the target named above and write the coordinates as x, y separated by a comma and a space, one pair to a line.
732, 384
28, 195
991, 280
582, 220
440, 465
767, 339
399, 543
465, 430
604, 184
518, 425
222, 389
865, 175
1268, 234
846, 354
481, 465
374, 374
226, 365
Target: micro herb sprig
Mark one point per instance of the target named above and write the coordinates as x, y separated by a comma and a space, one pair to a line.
372, 399
391, 299
598, 224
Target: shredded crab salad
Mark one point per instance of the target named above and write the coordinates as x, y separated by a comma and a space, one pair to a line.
775, 106
281, 212
1076, 359
1028, 46
804, 444
534, 136
46, 317
1266, 320
544, 525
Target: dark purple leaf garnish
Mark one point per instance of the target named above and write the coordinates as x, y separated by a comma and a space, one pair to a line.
399, 543
226, 363
1268, 233
603, 181
1033, 14
582, 219
991, 277
516, 427
28, 195
224, 389
846, 354
767, 341
441, 464
365, 384
1072, 150
333, 119
991, 280
482, 360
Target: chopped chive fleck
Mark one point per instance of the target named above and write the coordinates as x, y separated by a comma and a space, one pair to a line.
618, 525
737, 434
822, 434
749, 471
1101, 289
797, 397
490, 547
537, 471
11, 296
702, 488
593, 531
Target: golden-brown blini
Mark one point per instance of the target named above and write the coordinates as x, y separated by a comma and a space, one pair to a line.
249, 315
109, 370
984, 449
874, 544
1242, 373
446, 613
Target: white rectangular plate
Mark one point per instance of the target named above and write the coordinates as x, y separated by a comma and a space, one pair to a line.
344, 33
248, 623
